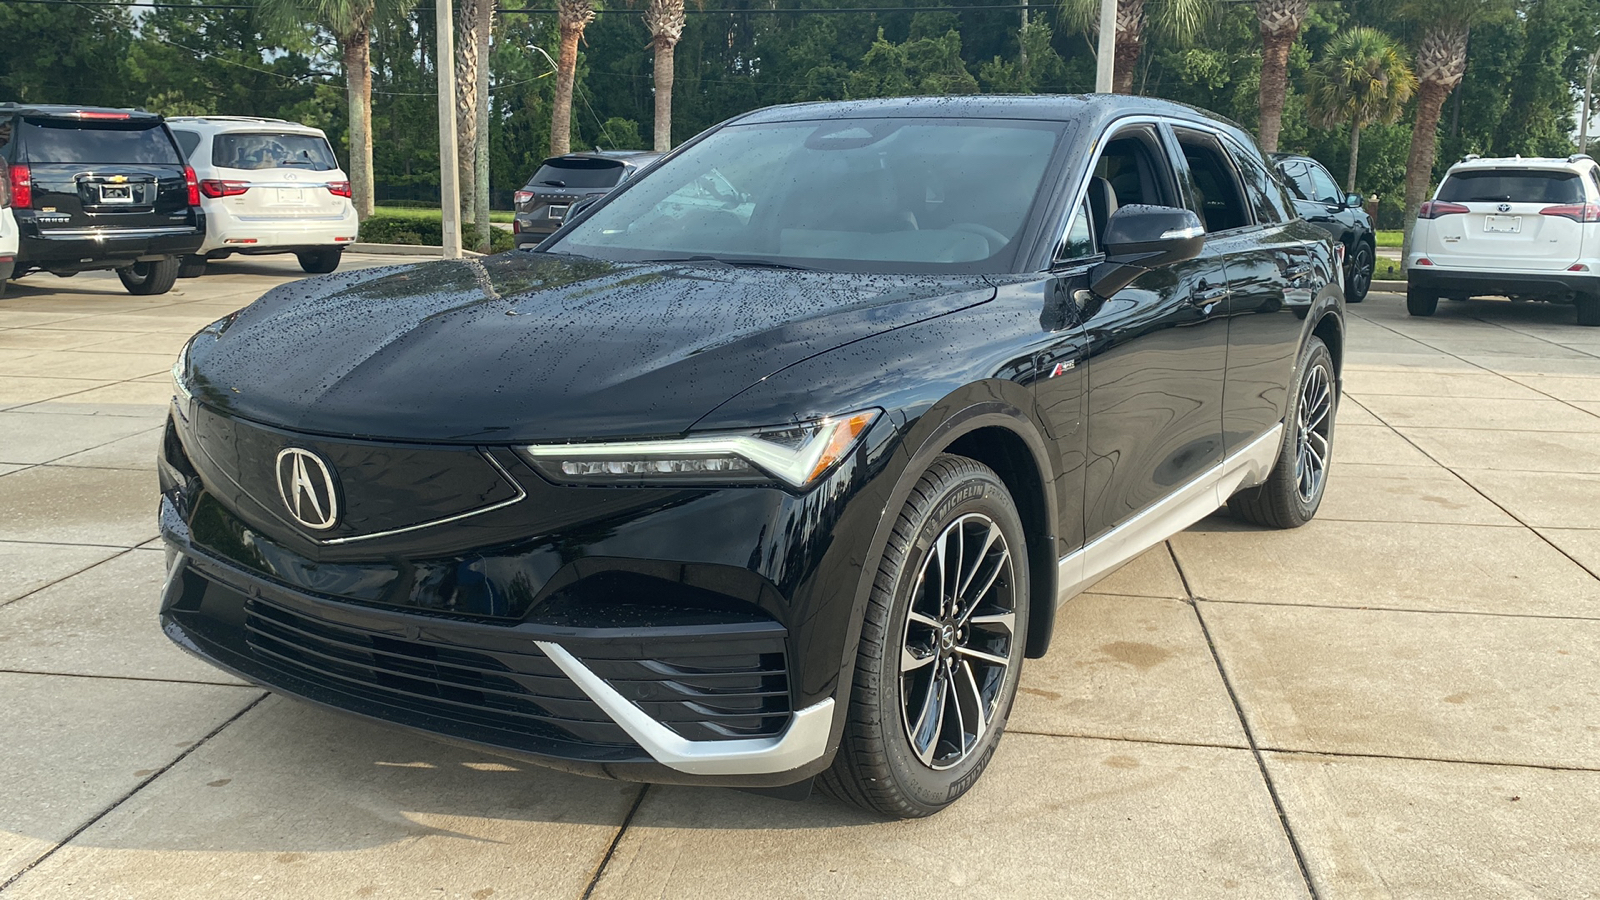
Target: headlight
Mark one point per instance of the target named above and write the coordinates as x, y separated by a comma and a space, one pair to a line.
180, 376
797, 455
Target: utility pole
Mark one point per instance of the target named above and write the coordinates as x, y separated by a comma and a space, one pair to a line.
1106, 57
1588, 103
449, 189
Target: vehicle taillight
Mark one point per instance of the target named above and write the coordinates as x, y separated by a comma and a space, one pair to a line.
93, 114
521, 197
193, 184
5, 193
214, 188
516, 227
1434, 209
21, 187
339, 188
1577, 212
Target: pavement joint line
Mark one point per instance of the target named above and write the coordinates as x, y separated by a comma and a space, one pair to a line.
1537, 337
600, 870
1402, 609
1244, 723
136, 789
1575, 561
71, 543
1400, 757
42, 587
55, 462
1163, 742
126, 678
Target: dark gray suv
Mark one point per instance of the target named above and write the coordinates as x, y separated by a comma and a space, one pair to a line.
561, 181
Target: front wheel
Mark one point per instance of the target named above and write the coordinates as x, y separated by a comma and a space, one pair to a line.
1358, 277
1293, 491
320, 262
1421, 302
941, 646
155, 277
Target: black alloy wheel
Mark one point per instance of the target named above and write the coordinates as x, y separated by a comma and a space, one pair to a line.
941, 647
154, 277
1358, 274
1293, 491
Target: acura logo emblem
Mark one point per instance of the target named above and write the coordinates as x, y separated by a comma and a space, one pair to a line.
306, 486
1504, 207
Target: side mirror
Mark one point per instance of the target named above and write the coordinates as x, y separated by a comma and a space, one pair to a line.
1140, 238
1354, 201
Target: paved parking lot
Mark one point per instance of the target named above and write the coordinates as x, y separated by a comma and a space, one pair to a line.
1401, 699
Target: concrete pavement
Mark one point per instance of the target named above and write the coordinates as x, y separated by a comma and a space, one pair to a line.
1400, 699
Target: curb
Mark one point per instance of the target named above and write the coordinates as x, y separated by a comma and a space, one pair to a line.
1393, 287
416, 250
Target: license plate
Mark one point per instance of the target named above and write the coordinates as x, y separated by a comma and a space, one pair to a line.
116, 193
291, 195
559, 212
1503, 224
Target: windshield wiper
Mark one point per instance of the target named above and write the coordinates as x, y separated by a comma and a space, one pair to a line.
741, 262
554, 183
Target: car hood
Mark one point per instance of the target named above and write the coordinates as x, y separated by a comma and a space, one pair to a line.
526, 347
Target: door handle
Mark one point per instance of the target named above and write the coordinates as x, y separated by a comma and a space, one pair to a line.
1295, 273
1207, 296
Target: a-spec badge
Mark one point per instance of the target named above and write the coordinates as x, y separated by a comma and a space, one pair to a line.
1063, 367
306, 485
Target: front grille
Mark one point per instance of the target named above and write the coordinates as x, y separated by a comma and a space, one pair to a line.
521, 691
725, 690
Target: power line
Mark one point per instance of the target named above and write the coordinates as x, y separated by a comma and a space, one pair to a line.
793, 10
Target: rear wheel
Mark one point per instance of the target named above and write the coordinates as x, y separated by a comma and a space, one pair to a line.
192, 266
320, 262
1588, 309
941, 647
1358, 277
1293, 491
155, 277
1420, 302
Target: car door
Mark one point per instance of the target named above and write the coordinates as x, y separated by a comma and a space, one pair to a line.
1155, 352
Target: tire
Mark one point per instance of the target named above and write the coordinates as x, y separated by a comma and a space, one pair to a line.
320, 262
1293, 492
880, 767
192, 267
1588, 309
150, 277
1358, 274
1420, 302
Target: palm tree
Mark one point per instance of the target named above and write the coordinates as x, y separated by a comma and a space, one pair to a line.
476, 22
664, 18
1175, 20
572, 17
350, 23
1441, 63
1362, 78
1280, 26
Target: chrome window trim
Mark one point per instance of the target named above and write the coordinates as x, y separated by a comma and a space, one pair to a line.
803, 740
1202, 496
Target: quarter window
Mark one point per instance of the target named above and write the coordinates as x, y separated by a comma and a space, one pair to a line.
187, 141
1079, 241
1263, 191
1214, 187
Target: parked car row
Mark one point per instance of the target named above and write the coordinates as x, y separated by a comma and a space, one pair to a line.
95, 188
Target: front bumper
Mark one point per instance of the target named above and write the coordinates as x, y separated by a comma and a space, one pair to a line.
1556, 285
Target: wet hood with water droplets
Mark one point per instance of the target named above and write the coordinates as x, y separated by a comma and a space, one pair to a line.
526, 347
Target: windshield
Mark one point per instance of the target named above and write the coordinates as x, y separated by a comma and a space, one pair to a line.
1512, 186
61, 141
272, 151
578, 173
881, 195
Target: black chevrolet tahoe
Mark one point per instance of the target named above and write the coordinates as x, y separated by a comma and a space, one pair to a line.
99, 188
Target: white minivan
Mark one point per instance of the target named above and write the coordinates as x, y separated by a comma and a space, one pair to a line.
8, 235
267, 186
1528, 229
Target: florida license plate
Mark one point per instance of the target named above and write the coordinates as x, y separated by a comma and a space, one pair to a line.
116, 193
291, 195
1503, 224
559, 212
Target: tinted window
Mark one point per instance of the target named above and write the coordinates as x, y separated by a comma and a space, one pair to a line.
1265, 195
887, 195
1079, 240
1323, 190
1296, 179
58, 141
1129, 164
272, 151
187, 141
579, 173
1512, 186
1216, 191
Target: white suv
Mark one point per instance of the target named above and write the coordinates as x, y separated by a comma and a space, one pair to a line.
8, 235
267, 186
1528, 229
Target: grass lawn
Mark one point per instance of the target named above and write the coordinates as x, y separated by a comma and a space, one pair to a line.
407, 212
1390, 238
1387, 270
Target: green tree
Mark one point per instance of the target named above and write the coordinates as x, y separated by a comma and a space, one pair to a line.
927, 65
573, 16
1281, 21
1362, 79
1178, 21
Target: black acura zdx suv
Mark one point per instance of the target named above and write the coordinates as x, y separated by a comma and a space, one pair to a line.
95, 188
756, 493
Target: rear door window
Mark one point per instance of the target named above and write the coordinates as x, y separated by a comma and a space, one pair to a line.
1213, 184
68, 141
1512, 186
239, 150
1323, 189
579, 173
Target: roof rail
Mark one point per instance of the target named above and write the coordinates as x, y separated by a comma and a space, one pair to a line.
1470, 157
1577, 156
